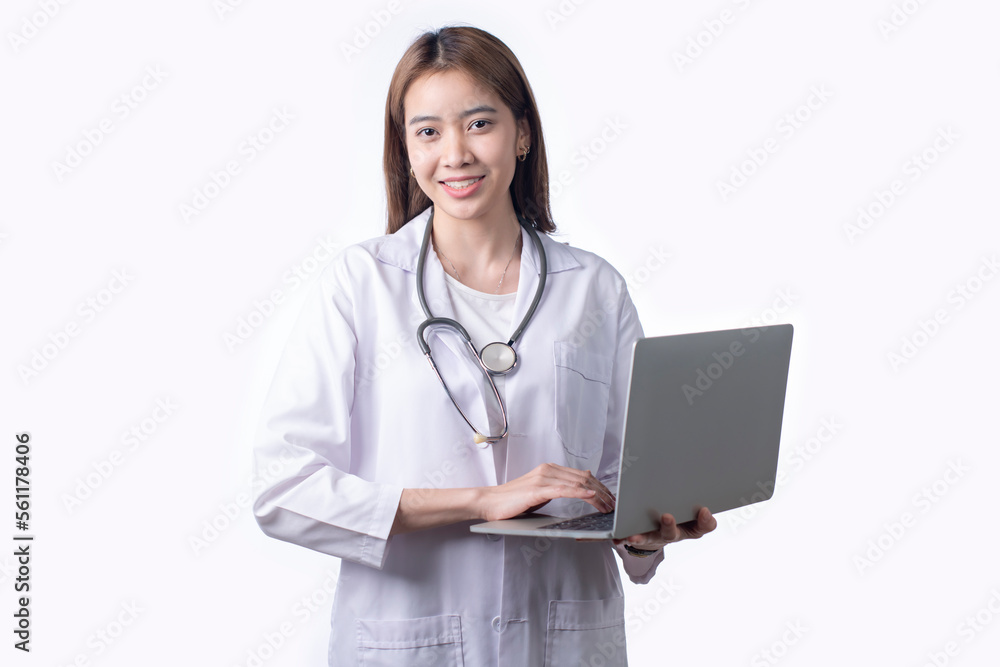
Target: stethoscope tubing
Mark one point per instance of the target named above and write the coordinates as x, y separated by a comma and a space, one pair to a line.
543, 273
431, 320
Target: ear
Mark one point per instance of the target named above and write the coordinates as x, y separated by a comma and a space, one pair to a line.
523, 132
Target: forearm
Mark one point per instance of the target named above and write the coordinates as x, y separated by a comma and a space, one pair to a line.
420, 509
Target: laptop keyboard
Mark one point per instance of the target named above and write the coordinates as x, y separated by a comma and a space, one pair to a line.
596, 522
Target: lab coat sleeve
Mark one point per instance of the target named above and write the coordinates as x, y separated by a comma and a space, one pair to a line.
639, 570
304, 492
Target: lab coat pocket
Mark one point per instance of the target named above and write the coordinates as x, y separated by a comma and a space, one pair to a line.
432, 640
586, 632
582, 388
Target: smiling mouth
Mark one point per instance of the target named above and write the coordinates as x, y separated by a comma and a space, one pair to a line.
461, 185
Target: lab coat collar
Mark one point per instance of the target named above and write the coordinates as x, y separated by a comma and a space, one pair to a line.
401, 249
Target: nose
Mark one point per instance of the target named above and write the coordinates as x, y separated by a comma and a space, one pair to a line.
455, 151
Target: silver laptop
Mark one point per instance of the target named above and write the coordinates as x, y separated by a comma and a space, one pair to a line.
702, 427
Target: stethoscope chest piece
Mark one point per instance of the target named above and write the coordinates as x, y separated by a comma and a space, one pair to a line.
498, 357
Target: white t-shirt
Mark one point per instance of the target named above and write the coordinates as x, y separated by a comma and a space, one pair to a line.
487, 317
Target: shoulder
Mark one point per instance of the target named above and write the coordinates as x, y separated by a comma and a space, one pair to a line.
351, 262
592, 267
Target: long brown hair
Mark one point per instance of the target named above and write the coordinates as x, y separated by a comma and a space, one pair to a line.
488, 61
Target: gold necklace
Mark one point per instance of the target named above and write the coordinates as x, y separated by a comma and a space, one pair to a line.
502, 275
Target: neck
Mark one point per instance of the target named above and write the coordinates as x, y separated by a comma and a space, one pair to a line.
479, 249
483, 239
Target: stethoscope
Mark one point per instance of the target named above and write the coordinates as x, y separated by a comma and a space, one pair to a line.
495, 358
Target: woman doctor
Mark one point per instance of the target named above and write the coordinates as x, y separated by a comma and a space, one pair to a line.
378, 466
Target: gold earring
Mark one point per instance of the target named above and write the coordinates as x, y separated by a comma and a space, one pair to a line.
411, 173
524, 155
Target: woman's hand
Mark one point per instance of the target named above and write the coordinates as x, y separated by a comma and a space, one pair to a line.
536, 488
671, 531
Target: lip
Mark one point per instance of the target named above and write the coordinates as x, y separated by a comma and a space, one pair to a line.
465, 192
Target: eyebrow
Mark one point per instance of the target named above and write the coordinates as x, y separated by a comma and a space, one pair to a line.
483, 108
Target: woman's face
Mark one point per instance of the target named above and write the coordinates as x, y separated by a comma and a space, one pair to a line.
457, 131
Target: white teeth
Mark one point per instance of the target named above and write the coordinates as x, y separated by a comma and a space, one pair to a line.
460, 185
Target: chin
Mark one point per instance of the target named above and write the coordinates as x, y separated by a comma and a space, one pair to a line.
465, 210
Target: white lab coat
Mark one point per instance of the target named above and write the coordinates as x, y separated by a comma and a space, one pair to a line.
355, 414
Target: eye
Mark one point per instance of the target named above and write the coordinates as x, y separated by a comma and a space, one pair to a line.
484, 123
420, 133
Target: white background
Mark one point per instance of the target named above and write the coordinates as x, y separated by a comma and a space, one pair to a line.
849, 553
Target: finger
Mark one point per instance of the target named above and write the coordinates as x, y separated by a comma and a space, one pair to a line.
593, 497
703, 523
563, 490
706, 521
603, 492
669, 529
601, 502
582, 476
602, 499
607, 498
